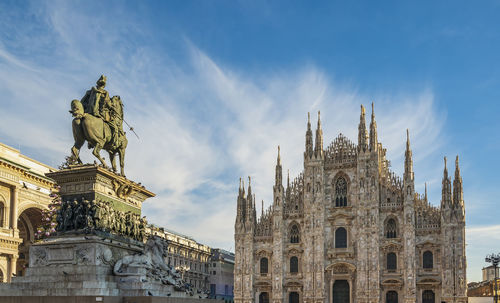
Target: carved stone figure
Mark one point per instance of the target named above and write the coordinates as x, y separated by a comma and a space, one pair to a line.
152, 261
88, 216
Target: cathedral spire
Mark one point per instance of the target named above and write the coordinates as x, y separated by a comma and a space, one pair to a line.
279, 174
318, 149
425, 195
309, 138
240, 190
241, 203
249, 194
457, 186
288, 179
362, 133
373, 132
250, 211
446, 188
408, 158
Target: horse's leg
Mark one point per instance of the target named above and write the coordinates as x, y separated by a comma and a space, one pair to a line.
79, 140
112, 156
121, 154
97, 153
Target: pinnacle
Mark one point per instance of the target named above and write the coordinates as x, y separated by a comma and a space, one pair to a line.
279, 157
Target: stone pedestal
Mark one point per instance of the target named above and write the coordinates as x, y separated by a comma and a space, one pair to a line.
73, 265
80, 262
95, 183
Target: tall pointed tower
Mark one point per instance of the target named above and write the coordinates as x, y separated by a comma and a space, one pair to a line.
408, 225
367, 185
314, 212
278, 234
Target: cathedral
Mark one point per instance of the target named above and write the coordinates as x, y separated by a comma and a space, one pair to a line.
348, 230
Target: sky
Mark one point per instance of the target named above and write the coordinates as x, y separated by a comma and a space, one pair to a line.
213, 87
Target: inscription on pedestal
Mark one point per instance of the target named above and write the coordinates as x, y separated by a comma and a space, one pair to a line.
61, 254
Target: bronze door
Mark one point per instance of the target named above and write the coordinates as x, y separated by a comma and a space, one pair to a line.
428, 296
341, 291
391, 297
293, 297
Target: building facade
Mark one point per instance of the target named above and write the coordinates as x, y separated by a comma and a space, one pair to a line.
489, 273
221, 275
186, 255
347, 229
24, 193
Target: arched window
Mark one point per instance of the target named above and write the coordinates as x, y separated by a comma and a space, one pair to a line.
294, 234
392, 261
264, 297
391, 297
294, 264
293, 297
391, 229
263, 266
340, 192
428, 296
340, 238
428, 261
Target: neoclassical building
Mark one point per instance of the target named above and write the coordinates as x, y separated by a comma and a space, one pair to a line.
348, 230
24, 193
187, 255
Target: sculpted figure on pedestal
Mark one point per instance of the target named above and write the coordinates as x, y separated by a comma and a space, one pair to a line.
152, 259
99, 121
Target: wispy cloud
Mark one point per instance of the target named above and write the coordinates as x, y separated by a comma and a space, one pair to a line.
202, 123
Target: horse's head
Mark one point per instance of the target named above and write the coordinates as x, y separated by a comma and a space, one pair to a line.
76, 108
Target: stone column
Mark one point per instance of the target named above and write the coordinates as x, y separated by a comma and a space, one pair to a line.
13, 263
13, 205
6, 216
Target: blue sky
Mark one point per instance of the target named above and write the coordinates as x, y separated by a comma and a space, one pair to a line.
212, 87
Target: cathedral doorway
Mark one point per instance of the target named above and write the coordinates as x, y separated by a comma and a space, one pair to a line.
428, 296
341, 291
391, 297
293, 297
28, 222
264, 297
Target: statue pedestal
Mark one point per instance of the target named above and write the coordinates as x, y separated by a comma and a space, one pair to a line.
73, 265
95, 183
79, 260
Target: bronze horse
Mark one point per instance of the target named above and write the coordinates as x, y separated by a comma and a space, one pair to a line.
98, 134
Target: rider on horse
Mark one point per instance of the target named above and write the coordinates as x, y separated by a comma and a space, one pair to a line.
99, 121
97, 103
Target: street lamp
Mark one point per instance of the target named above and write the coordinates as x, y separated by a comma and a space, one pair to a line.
494, 260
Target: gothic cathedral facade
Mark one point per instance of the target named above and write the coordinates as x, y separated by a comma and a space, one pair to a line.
348, 230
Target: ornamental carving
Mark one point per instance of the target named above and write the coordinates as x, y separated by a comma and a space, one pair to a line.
122, 189
84, 255
38, 256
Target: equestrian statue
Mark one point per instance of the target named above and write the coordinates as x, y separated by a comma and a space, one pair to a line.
98, 119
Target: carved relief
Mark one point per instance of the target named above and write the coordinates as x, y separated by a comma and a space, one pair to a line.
38, 256
84, 255
122, 189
